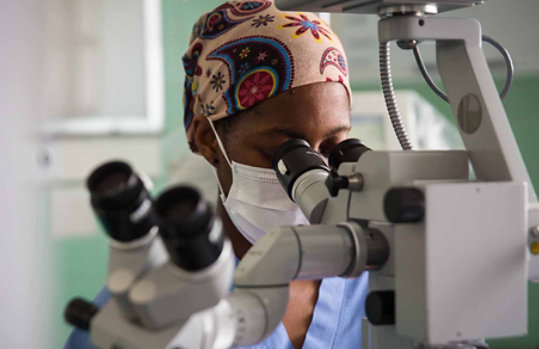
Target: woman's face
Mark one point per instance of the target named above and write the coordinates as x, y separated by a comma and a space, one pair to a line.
318, 113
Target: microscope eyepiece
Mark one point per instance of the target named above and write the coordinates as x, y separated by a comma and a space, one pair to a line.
349, 150
292, 159
188, 228
302, 172
120, 201
287, 147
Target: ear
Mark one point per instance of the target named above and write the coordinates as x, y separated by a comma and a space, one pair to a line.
205, 140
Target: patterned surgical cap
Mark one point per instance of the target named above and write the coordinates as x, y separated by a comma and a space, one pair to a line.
245, 52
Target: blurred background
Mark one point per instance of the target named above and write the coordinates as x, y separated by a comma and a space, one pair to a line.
84, 81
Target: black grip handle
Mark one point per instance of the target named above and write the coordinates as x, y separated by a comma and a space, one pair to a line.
79, 313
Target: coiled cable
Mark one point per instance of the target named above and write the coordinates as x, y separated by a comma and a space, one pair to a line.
389, 90
389, 96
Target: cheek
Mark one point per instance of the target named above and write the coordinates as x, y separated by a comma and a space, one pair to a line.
225, 176
247, 151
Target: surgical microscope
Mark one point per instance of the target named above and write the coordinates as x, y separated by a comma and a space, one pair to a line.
449, 252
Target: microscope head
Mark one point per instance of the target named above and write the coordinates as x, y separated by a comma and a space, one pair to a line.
380, 7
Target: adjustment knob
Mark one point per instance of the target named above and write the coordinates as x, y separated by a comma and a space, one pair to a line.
334, 183
404, 205
79, 313
380, 307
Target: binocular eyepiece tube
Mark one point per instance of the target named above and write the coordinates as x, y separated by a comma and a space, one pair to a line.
121, 202
186, 224
193, 236
304, 174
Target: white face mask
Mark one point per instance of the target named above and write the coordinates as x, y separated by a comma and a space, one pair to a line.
256, 201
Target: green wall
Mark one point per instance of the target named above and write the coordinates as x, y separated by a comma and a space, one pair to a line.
81, 262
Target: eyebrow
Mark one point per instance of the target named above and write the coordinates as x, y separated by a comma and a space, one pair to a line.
296, 134
338, 129
285, 132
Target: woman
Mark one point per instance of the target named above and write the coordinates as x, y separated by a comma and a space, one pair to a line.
256, 77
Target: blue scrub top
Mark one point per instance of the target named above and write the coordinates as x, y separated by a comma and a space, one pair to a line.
336, 321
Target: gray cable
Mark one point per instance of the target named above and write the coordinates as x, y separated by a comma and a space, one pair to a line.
510, 68
389, 96
426, 75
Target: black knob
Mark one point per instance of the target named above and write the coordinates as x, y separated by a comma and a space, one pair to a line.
79, 313
334, 183
187, 227
349, 150
404, 205
380, 307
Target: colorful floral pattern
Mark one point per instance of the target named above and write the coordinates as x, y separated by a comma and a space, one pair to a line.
261, 57
262, 20
192, 71
306, 25
243, 68
333, 57
250, 5
216, 24
245, 57
245, 52
255, 87
246, 8
217, 81
208, 109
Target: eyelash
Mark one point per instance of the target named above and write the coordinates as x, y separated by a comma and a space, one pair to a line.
325, 154
327, 147
324, 151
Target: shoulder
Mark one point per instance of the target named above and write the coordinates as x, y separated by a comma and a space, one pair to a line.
356, 289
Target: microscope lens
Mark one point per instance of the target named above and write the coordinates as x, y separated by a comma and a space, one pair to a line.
294, 158
180, 209
349, 150
187, 227
120, 201
112, 183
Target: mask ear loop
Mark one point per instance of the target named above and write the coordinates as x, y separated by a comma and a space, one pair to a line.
222, 147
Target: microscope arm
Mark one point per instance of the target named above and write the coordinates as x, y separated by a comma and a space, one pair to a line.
474, 100
476, 105
309, 252
260, 297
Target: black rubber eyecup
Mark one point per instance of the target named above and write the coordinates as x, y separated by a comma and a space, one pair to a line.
349, 150
184, 208
287, 147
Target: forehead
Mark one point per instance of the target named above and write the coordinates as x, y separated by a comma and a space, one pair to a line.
311, 110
